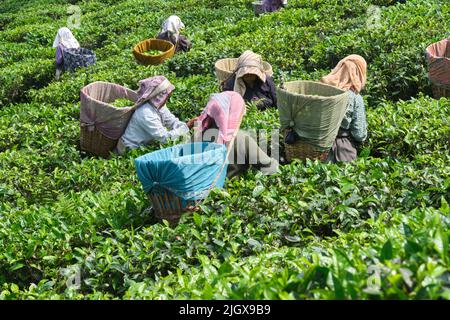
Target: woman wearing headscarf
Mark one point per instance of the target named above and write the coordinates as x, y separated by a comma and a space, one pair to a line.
349, 74
170, 31
64, 40
273, 5
152, 120
251, 82
220, 122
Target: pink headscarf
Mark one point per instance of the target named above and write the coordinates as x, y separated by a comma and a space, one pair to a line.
226, 110
156, 90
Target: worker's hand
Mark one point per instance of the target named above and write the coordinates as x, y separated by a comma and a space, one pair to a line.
191, 123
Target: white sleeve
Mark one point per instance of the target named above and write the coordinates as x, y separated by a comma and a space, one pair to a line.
170, 121
163, 128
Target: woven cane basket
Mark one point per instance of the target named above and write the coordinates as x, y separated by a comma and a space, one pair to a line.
438, 60
170, 207
167, 51
303, 150
225, 68
440, 91
94, 142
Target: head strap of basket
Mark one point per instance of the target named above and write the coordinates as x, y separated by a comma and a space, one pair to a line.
349, 73
65, 38
225, 110
155, 90
248, 63
438, 58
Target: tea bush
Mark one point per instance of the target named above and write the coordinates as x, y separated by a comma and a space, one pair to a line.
373, 229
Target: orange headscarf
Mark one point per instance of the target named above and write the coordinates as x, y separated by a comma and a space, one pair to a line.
350, 73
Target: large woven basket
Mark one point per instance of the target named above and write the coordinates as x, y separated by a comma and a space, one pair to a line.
303, 150
314, 111
225, 68
102, 124
170, 207
167, 51
438, 60
440, 91
95, 143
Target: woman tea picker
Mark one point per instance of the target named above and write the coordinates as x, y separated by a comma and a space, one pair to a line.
220, 121
171, 32
152, 120
251, 82
64, 40
349, 74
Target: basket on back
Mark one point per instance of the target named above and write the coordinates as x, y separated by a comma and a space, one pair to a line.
176, 179
167, 51
102, 124
226, 67
438, 59
314, 111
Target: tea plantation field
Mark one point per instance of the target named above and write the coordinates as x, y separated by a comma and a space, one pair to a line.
377, 228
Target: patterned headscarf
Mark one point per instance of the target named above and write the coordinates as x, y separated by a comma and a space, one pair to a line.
155, 90
248, 63
350, 73
226, 110
66, 38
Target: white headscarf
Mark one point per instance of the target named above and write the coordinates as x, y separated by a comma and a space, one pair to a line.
66, 38
173, 24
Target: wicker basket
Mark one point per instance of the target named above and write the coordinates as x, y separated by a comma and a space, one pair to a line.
167, 48
225, 68
94, 142
438, 60
440, 91
169, 207
258, 8
303, 150
102, 124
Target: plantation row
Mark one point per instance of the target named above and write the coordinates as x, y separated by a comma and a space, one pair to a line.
376, 228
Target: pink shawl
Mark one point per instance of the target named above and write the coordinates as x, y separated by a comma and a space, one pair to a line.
226, 110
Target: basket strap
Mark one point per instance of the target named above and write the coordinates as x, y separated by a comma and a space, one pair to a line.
227, 78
